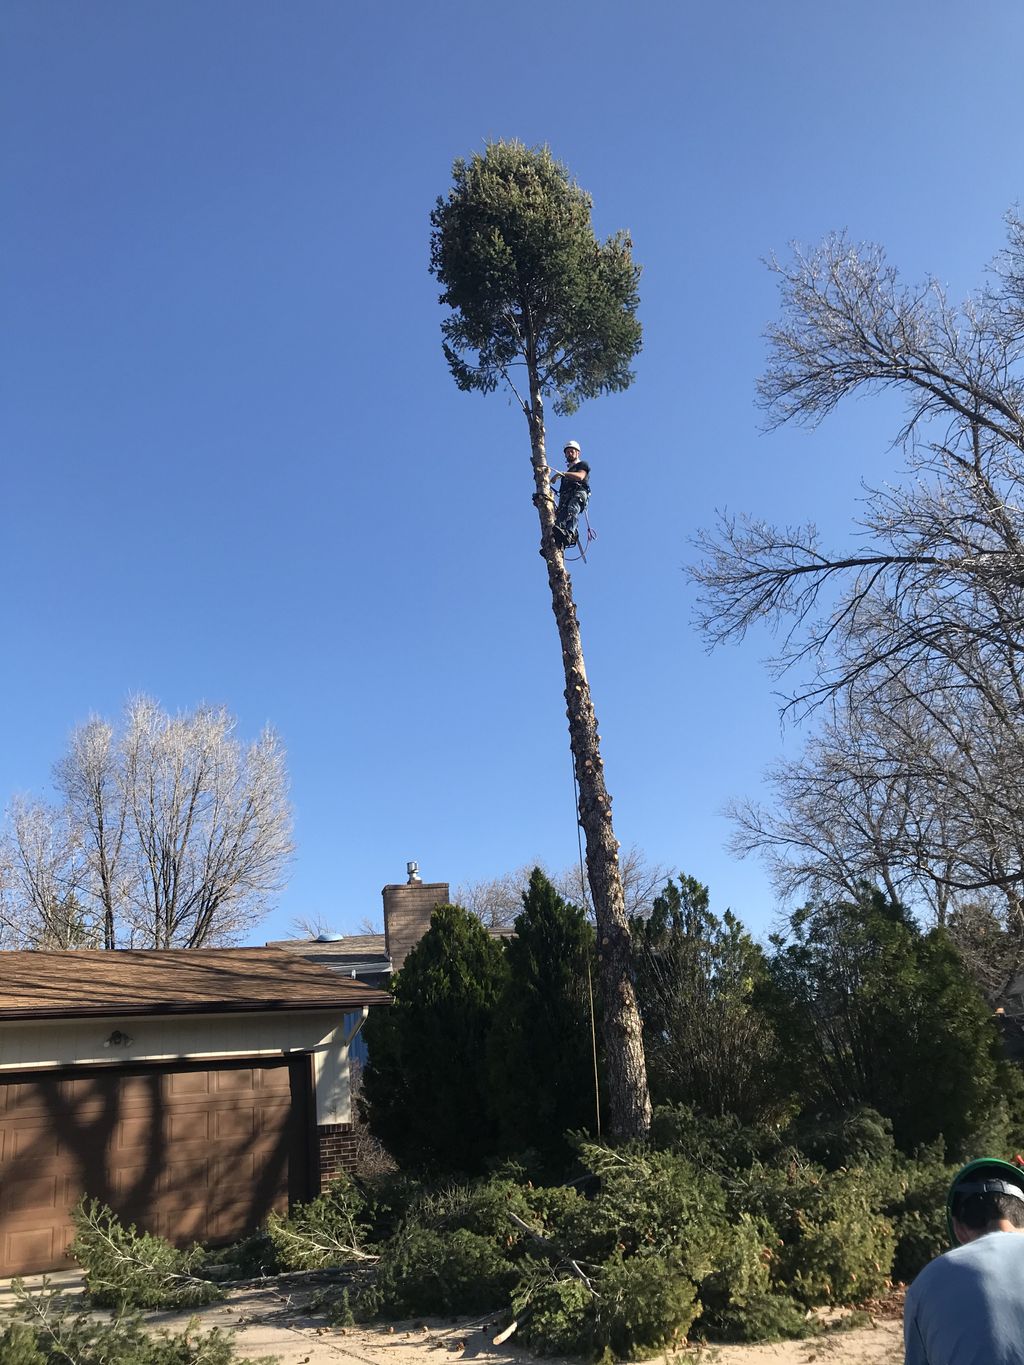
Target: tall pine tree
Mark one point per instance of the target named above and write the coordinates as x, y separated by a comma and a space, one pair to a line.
533, 293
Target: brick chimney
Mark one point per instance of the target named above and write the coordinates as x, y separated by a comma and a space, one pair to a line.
407, 910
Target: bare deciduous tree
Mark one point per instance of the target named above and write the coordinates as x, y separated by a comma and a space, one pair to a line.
172, 833
642, 882
848, 811
915, 636
498, 901
940, 567
90, 778
43, 859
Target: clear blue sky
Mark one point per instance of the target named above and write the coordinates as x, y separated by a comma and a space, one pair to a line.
237, 470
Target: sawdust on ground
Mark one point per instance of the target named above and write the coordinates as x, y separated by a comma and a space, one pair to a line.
881, 1344
280, 1319
436, 1342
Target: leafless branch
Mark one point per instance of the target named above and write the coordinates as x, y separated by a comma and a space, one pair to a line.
908, 644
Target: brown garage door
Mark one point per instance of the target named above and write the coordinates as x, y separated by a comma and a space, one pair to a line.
194, 1153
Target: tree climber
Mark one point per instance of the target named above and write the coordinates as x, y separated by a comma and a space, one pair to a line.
573, 496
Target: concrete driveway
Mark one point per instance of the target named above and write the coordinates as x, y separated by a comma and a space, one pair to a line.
270, 1318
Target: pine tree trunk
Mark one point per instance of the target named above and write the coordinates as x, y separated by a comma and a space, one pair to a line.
629, 1105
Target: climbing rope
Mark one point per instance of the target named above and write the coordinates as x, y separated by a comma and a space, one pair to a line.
591, 536
590, 981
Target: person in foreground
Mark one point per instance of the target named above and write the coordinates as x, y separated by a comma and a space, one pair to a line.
967, 1306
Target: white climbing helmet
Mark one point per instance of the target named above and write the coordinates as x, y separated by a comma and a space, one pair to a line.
571, 445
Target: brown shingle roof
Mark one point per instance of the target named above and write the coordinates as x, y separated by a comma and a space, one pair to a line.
351, 945
47, 985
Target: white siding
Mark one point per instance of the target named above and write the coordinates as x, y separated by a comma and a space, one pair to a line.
38, 1045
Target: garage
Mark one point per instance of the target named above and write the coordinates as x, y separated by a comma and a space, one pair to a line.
192, 1153
235, 1079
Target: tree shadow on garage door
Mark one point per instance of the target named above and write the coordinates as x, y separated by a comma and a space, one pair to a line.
205, 1163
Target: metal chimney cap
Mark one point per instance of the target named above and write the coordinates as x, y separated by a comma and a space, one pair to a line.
413, 870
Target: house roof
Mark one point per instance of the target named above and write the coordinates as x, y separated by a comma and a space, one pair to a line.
86, 982
370, 945
350, 952
364, 952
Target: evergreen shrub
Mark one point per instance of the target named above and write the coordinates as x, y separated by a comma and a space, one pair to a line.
727, 1232
485, 1207
628, 1308
855, 1137
425, 1092
541, 1029
764, 1317
19, 1346
390, 1198
482, 1208
550, 1207
741, 1274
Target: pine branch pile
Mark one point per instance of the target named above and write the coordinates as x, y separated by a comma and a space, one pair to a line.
125, 1268
712, 1231
328, 1231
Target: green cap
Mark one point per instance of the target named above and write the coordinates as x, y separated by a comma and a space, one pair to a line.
987, 1175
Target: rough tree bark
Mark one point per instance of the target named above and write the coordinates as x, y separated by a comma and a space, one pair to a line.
629, 1102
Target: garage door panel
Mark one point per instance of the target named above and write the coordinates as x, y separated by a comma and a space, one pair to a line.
30, 1246
32, 1141
126, 1180
229, 1219
269, 1117
140, 1091
24, 1194
273, 1082
186, 1176
134, 1134
234, 1123
234, 1172
86, 1092
187, 1152
190, 1128
143, 1183
176, 1198
22, 1101
238, 1082
184, 1083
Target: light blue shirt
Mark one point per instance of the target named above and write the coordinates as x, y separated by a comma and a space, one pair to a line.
967, 1306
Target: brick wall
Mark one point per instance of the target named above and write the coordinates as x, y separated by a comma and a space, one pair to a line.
407, 910
337, 1148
